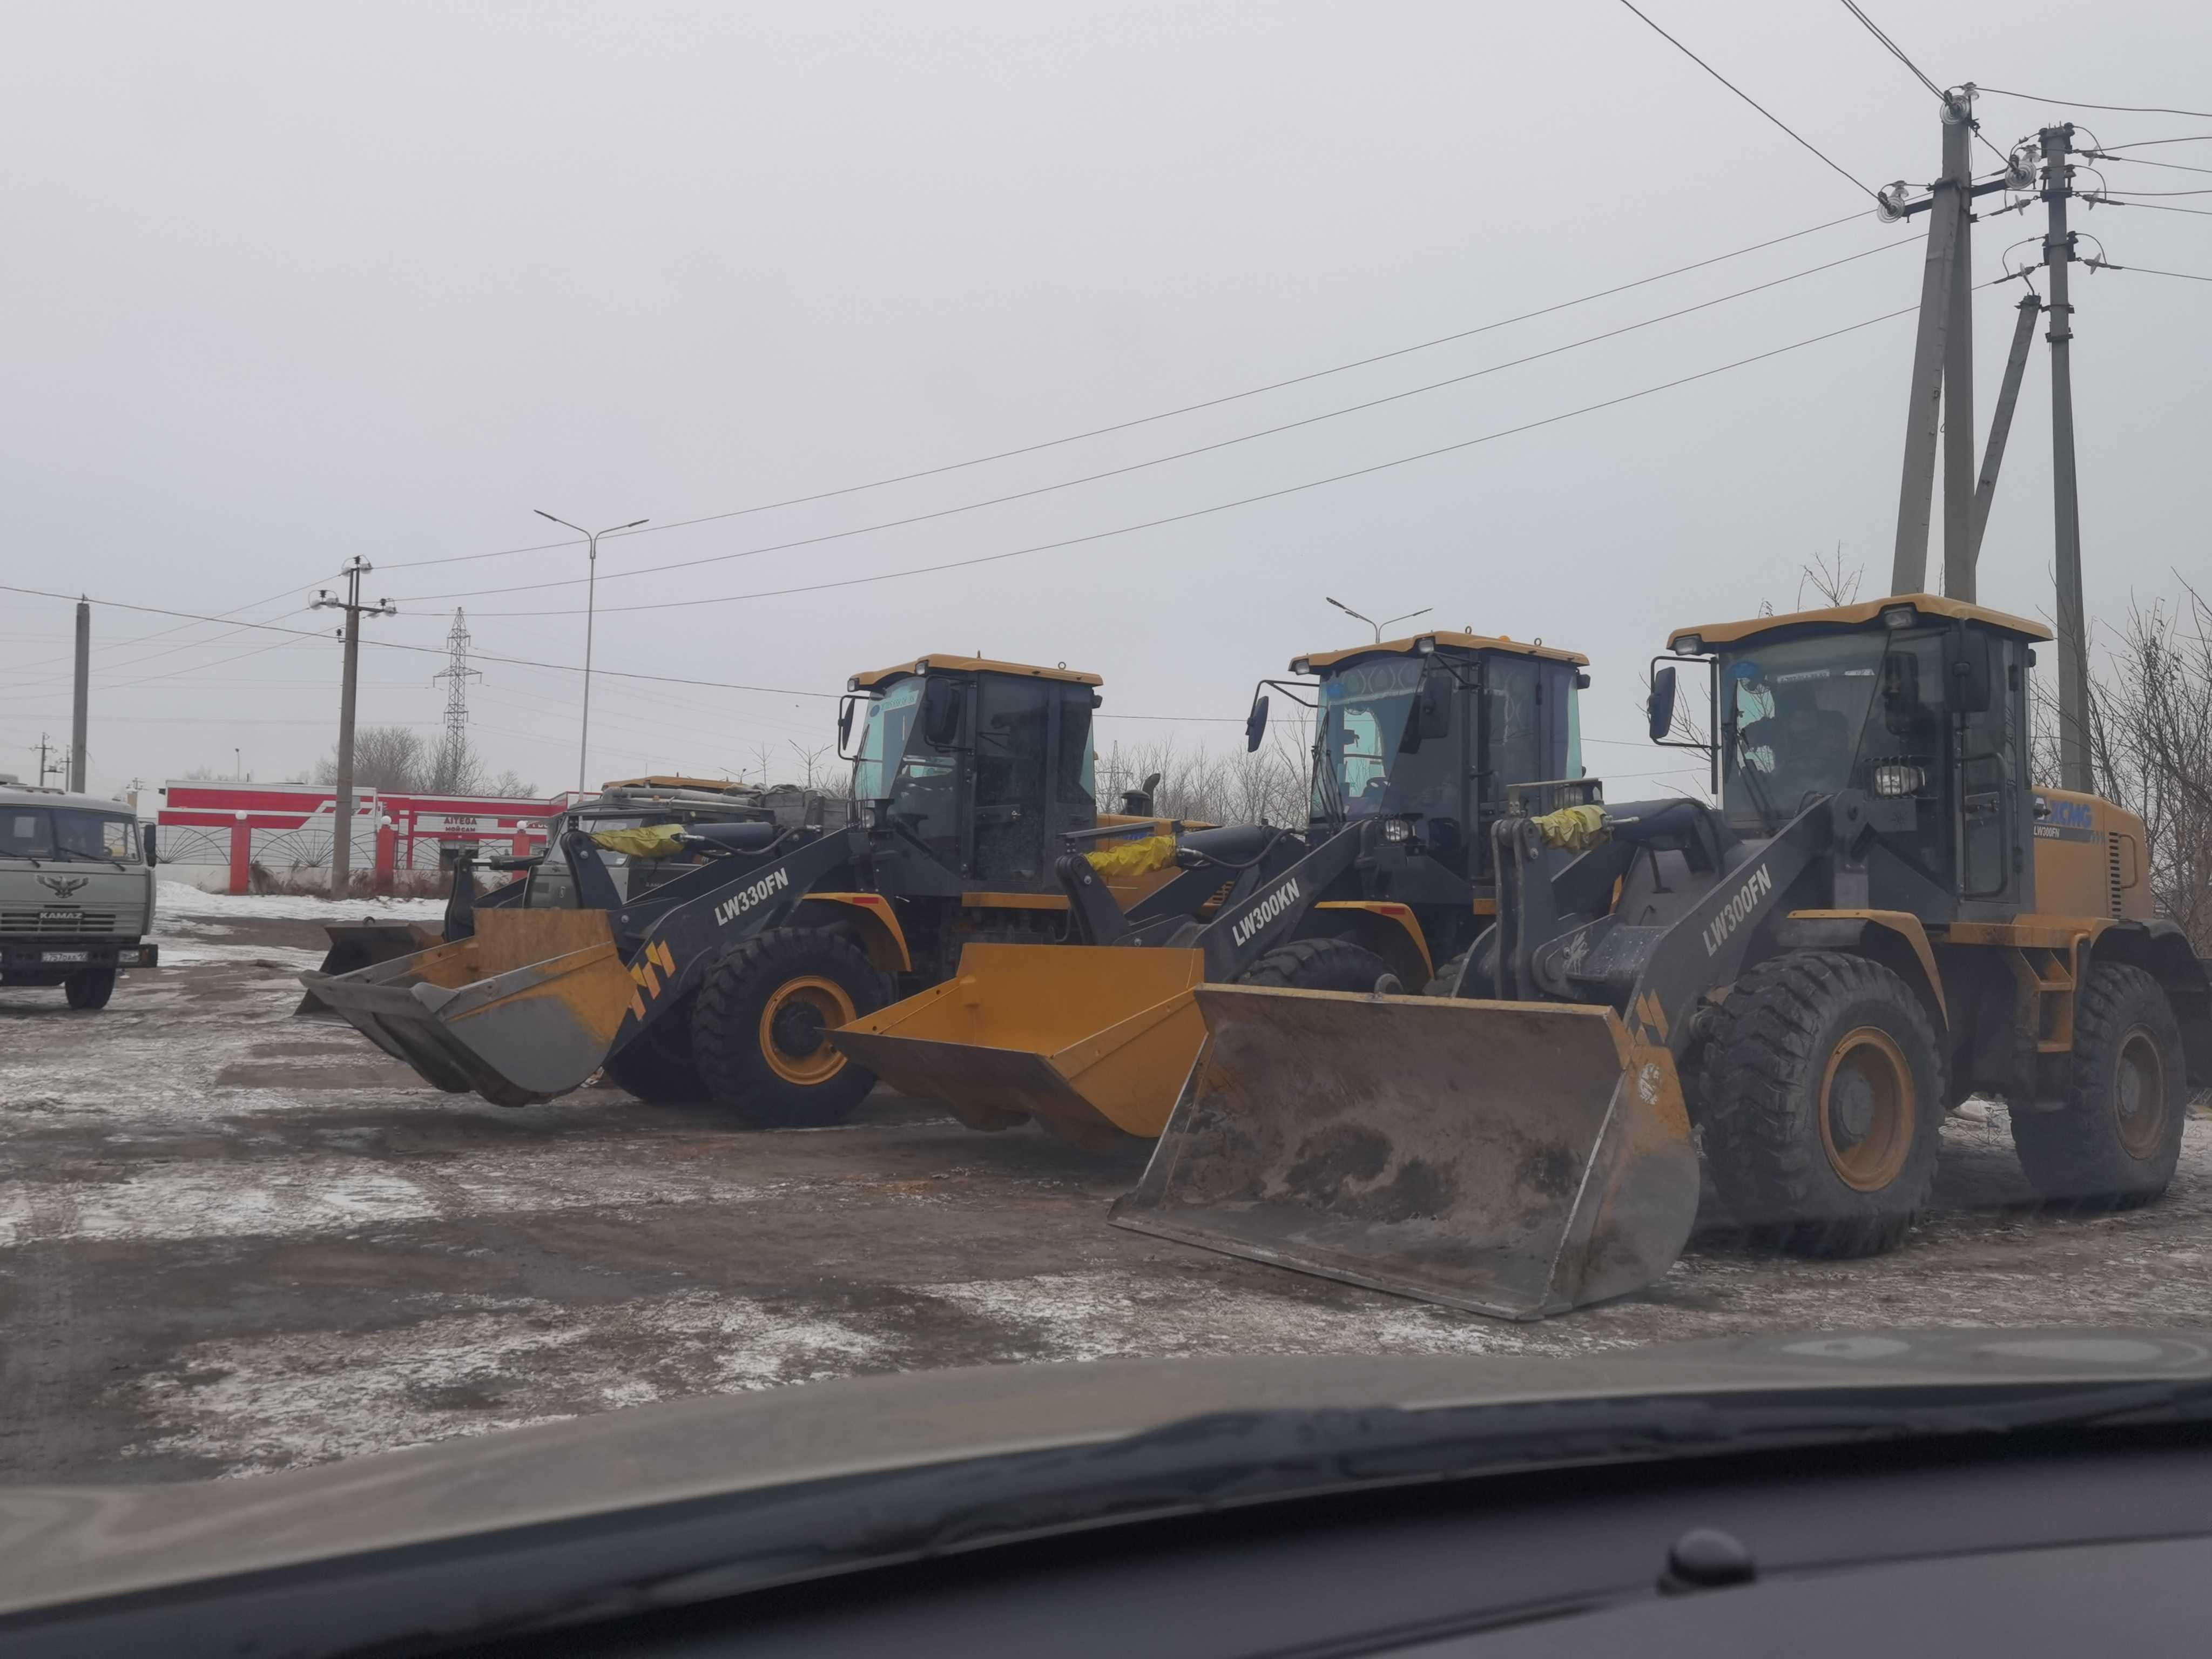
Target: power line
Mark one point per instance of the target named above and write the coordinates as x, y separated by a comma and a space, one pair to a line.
1898, 52
2155, 207
2125, 191
2076, 103
1159, 460
2185, 275
1895, 50
2138, 161
2145, 143
1746, 97
1247, 500
1166, 413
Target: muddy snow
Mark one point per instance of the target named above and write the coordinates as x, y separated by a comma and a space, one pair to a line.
232, 1242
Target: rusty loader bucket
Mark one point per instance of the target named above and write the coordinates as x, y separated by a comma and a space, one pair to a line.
358, 944
1092, 1041
1510, 1158
523, 1011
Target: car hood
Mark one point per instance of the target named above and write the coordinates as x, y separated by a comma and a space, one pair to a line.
63, 1544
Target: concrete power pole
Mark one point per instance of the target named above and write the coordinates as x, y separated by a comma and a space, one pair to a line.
342, 822
2074, 771
1959, 470
1942, 395
81, 707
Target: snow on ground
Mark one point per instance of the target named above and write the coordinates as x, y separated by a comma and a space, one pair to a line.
178, 898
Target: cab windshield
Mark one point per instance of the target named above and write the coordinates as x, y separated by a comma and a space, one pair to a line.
1362, 768
896, 762
67, 834
1809, 717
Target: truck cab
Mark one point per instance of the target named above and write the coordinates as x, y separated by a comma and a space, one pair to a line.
76, 893
980, 765
1428, 734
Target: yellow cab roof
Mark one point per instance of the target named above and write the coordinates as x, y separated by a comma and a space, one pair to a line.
1858, 616
951, 662
670, 780
1316, 660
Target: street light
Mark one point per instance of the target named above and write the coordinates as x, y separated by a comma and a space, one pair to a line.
1378, 626
590, 603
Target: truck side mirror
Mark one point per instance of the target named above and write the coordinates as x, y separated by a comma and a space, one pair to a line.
1431, 715
1900, 692
1972, 675
940, 712
1255, 724
1662, 706
146, 839
845, 723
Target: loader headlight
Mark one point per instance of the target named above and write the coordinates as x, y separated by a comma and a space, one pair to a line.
1892, 781
1398, 830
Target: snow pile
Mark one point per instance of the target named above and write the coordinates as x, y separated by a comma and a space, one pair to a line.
177, 898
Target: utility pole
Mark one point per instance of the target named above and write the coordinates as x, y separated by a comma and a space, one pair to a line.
44, 743
2023, 336
1958, 350
81, 704
591, 611
2065, 499
341, 821
1942, 304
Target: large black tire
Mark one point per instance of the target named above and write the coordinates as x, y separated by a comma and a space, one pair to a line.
758, 1028
1820, 1105
1322, 964
2112, 1142
661, 1066
89, 988
1484, 952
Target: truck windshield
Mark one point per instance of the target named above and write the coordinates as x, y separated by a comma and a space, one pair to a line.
1812, 716
68, 834
1361, 770
897, 762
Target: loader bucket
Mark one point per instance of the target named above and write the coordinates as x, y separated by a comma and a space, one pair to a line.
523, 1011
1510, 1158
358, 944
1093, 1040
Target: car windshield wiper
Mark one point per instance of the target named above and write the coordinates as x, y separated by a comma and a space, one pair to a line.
10, 852
70, 855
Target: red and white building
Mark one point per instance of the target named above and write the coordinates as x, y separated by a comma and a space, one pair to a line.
212, 834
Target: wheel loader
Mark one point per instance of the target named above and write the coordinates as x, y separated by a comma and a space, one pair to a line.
1782, 995
1415, 743
717, 982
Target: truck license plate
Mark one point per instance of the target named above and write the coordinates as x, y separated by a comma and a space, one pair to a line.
65, 956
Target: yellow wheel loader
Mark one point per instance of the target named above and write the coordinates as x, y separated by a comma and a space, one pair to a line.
1882, 916
717, 982
1416, 742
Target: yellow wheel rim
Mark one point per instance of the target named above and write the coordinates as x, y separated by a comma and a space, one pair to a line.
2139, 1100
1867, 1110
791, 1024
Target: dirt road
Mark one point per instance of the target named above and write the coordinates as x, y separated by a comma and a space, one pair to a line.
231, 1241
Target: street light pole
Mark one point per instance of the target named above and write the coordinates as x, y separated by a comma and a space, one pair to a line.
1379, 626
591, 609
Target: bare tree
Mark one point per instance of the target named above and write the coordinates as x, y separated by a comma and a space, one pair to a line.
390, 759
813, 773
2150, 748
1829, 581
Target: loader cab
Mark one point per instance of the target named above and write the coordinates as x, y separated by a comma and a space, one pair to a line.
966, 771
1427, 733
1918, 703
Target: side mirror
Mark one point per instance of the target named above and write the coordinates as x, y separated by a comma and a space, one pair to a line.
1662, 706
845, 723
940, 712
146, 839
1255, 724
1431, 714
1900, 692
1972, 676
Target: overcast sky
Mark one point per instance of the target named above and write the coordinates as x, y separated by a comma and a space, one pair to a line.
288, 285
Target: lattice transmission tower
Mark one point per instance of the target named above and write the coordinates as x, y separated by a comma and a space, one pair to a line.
457, 674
